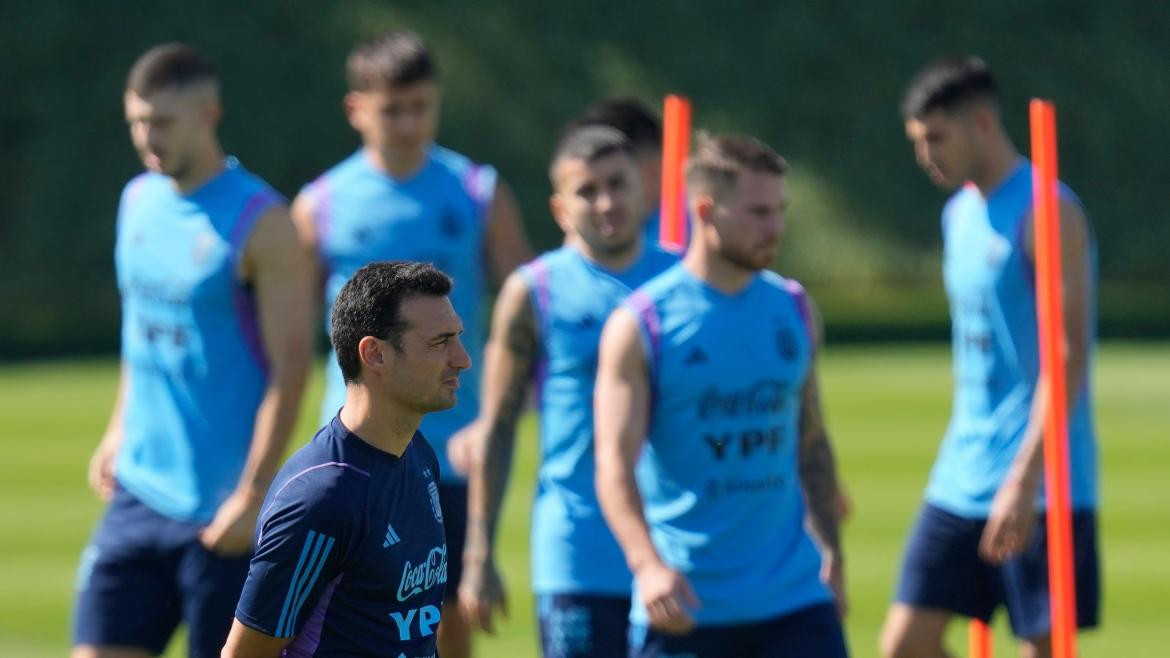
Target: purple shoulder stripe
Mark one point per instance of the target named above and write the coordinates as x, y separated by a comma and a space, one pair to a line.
244, 302
537, 274
479, 183
254, 207
801, 298
242, 298
541, 289
321, 195
646, 312
134, 187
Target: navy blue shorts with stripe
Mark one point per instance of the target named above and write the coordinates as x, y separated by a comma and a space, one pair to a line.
812, 631
142, 573
582, 625
942, 569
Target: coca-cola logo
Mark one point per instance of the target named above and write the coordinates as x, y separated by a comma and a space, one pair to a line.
766, 396
419, 578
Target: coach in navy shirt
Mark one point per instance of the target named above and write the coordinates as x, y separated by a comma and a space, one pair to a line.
350, 557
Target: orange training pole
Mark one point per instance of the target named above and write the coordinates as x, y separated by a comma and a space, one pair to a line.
676, 144
1050, 312
979, 640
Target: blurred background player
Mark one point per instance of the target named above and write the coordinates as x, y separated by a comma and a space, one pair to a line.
215, 349
641, 126
545, 331
351, 558
403, 197
980, 538
707, 373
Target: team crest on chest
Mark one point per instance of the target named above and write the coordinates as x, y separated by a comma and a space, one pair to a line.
450, 225
363, 234
588, 322
433, 490
786, 344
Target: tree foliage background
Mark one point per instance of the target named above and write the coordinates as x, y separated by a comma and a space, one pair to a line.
819, 81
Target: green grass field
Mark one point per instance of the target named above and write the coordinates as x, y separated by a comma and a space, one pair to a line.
886, 407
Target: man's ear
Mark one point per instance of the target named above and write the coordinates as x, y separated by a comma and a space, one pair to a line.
986, 117
349, 103
372, 354
704, 208
556, 206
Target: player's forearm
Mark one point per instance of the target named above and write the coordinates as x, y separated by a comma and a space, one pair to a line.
508, 364
818, 477
275, 418
113, 433
1028, 466
491, 470
621, 504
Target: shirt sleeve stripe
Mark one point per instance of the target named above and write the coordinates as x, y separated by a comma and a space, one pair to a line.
313, 579
296, 576
303, 579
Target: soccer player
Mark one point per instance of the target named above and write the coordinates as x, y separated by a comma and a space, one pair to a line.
707, 382
216, 342
641, 126
351, 558
545, 332
402, 197
979, 540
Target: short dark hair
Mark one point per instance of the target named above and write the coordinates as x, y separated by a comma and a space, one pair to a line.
629, 115
718, 161
588, 143
947, 84
370, 304
394, 59
169, 65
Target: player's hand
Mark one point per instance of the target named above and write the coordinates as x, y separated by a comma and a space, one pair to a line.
833, 575
101, 467
231, 531
1011, 521
462, 445
481, 593
668, 598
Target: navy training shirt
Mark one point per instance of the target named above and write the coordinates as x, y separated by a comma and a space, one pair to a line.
351, 558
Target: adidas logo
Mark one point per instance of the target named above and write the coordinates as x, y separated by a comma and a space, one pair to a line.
696, 357
391, 537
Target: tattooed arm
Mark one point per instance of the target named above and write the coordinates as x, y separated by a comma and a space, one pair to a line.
818, 476
509, 356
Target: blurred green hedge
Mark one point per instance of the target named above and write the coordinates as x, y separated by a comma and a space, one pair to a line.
820, 81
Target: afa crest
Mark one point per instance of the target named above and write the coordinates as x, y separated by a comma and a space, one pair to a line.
786, 344
450, 224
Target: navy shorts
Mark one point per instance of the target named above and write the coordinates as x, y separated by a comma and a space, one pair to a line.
142, 573
582, 625
943, 570
813, 631
453, 502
